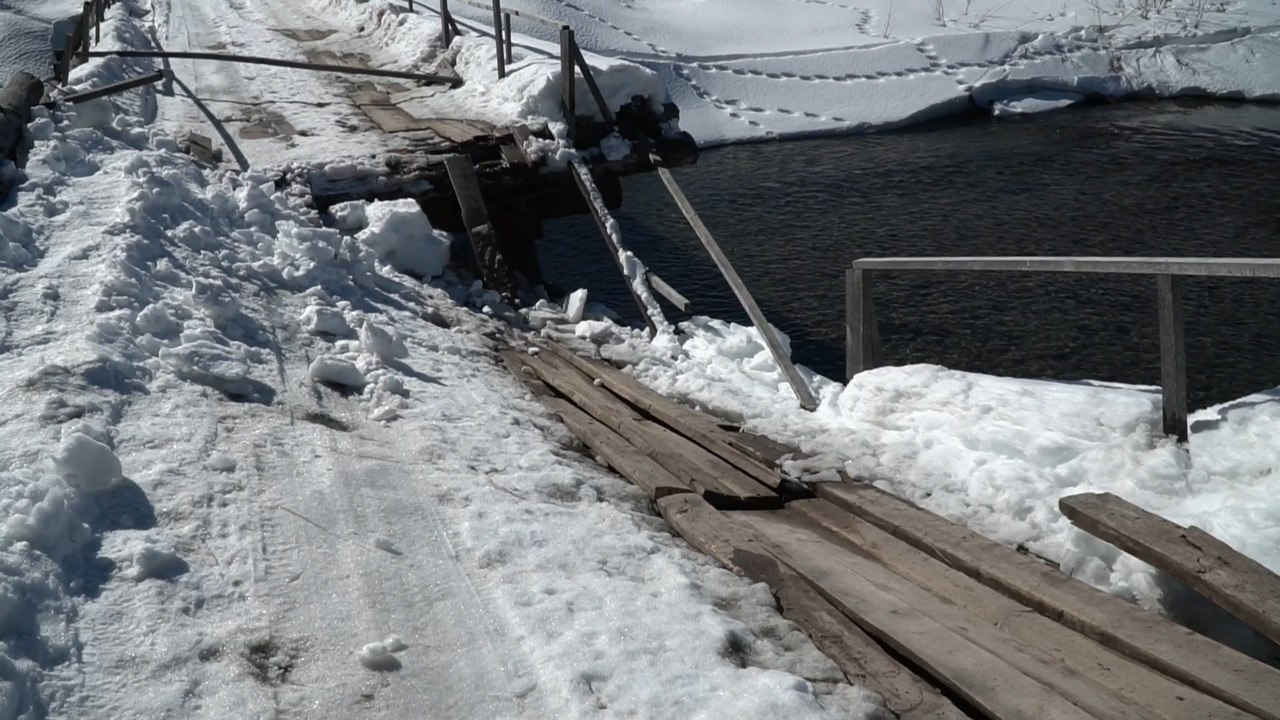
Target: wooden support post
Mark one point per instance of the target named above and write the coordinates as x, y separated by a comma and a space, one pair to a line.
410, 5
861, 340
1173, 359
64, 61
494, 267
506, 35
605, 113
85, 18
497, 38
97, 21
444, 23
740, 290
595, 203
568, 83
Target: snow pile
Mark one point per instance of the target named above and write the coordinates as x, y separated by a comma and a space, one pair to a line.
398, 233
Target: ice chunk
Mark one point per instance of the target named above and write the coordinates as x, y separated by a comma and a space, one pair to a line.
312, 243
317, 320
221, 462
400, 234
576, 304
335, 370
203, 358
350, 216
86, 463
377, 656
385, 344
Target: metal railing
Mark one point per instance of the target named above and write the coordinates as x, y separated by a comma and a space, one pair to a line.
862, 340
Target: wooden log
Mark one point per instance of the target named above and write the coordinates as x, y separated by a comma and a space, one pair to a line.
653, 440
568, 83
506, 36
595, 205
671, 294
1128, 684
1183, 655
740, 290
497, 38
118, 87
1173, 358
922, 627
861, 659
700, 428
1233, 581
275, 62
19, 95
603, 106
493, 266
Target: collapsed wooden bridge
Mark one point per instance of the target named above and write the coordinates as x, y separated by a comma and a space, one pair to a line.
940, 621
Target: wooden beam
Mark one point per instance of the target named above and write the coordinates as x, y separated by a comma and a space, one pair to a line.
860, 336
1233, 581
671, 294
445, 18
1183, 655
494, 267
977, 663
506, 36
601, 104
861, 659
606, 224
497, 38
1115, 686
740, 290
275, 62
701, 428
568, 83
118, 87
1206, 267
1173, 358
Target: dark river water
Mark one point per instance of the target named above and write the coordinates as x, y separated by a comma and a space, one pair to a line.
1140, 179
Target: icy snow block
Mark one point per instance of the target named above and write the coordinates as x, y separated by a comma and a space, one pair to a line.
205, 359
377, 656
313, 243
385, 344
575, 305
336, 371
350, 216
320, 320
400, 234
86, 464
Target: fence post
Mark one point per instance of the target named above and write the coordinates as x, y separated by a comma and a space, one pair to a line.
85, 17
860, 335
568, 81
444, 23
1173, 359
97, 21
506, 33
497, 38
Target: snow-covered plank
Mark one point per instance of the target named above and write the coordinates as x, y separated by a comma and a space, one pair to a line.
1233, 581
484, 240
701, 428
1176, 651
717, 534
1090, 675
978, 663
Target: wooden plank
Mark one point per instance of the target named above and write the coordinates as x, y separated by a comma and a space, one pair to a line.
1233, 581
393, 119
651, 439
861, 659
595, 205
702, 429
603, 106
671, 294
493, 266
458, 131
275, 62
1205, 267
568, 84
922, 627
512, 155
517, 364
1173, 358
1183, 655
118, 87
740, 290
370, 97
1128, 684
735, 483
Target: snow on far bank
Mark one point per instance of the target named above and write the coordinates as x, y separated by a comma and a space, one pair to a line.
27, 28
996, 454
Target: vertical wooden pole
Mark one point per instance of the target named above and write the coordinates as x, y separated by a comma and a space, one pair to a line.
85, 18
568, 83
1173, 359
497, 38
97, 21
444, 22
861, 338
506, 34
64, 62
410, 5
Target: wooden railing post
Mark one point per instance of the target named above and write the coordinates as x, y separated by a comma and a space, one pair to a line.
444, 23
860, 336
497, 38
85, 17
97, 21
506, 34
568, 87
1173, 359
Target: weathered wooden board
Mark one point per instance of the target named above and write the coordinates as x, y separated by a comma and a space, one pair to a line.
1234, 582
697, 426
458, 131
494, 267
1181, 654
922, 627
1128, 684
392, 119
650, 438
731, 481
863, 661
